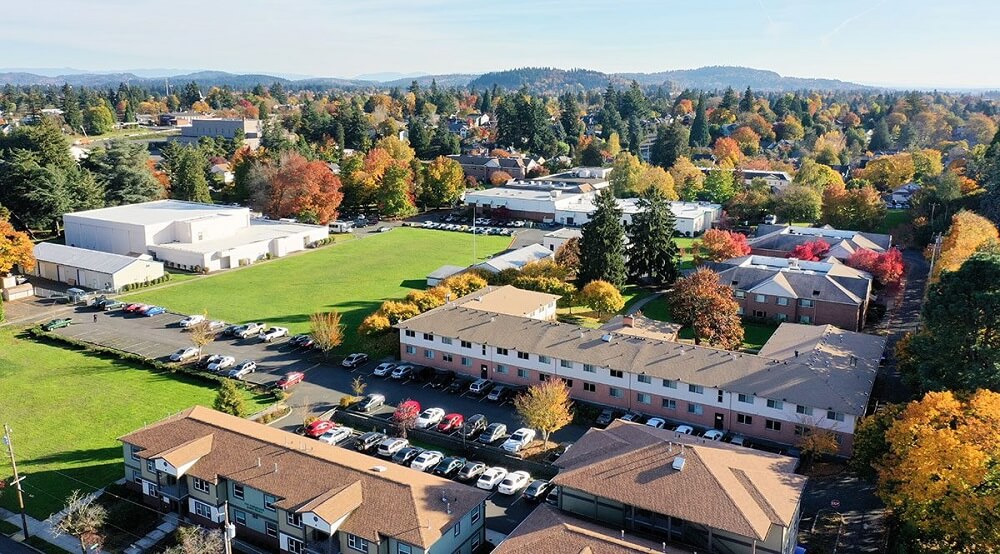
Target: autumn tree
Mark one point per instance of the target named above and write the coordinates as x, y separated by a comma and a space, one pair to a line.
300, 188
859, 208
464, 283
727, 152
398, 311
602, 247
749, 205
194, 539
810, 251
652, 253
546, 407
968, 232
719, 186
498, 178
888, 172
424, 300
444, 182
326, 330
625, 175
799, 203
201, 334
688, 179
395, 195
886, 267
939, 476
405, 416
602, 297
82, 518
568, 256
717, 245
98, 120
374, 324
870, 443
817, 442
817, 176
701, 302
16, 248
229, 399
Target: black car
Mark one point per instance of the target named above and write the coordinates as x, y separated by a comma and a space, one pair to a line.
457, 386
473, 426
470, 471
606, 417
423, 374
406, 455
368, 441
449, 467
442, 378
537, 490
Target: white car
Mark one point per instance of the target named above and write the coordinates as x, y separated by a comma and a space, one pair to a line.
426, 460
245, 368
184, 354
336, 435
656, 422
191, 321
514, 482
491, 478
224, 362
714, 435
390, 446
521, 438
684, 429
273, 333
383, 369
429, 418
217, 325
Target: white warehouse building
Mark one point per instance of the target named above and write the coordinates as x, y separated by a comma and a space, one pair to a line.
188, 235
97, 270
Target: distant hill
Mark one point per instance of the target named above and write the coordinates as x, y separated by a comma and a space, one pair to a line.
386, 76
544, 78
720, 76
449, 80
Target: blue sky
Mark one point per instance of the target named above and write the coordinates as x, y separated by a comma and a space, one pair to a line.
883, 42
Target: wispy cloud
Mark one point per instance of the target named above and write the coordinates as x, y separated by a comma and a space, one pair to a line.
825, 40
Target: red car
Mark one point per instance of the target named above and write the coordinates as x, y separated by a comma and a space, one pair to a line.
451, 422
133, 308
289, 379
318, 427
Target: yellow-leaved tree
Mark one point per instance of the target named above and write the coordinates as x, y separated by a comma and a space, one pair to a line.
967, 233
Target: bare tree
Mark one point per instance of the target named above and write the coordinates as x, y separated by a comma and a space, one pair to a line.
197, 540
327, 330
83, 519
201, 334
546, 407
358, 386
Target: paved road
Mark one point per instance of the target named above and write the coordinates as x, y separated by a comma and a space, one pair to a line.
903, 318
863, 513
10, 546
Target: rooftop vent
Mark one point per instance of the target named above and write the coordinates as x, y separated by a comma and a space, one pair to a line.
606, 338
378, 469
678, 464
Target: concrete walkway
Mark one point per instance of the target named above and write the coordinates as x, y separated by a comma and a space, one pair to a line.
637, 307
166, 528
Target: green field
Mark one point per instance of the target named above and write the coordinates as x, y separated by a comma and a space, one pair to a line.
66, 409
352, 278
893, 219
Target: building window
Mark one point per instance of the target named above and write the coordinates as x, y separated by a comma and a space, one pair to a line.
202, 510
669, 403
836, 416
566, 363
543, 377
357, 543
294, 519
410, 349
697, 389
781, 301
475, 514
800, 430
617, 374
739, 310
804, 410
719, 396
745, 399
150, 466
135, 453
781, 317
428, 336
644, 379
446, 358
200, 485
429, 354
402, 548
744, 419
240, 516
445, 340
466, 361
569, 383
740, 294
466, 344
475, 542
522, 355
614, 392
502, 369
238, 491
772, 425
589, 368
805, 302
589, 387
775, 404
154, 491
271, 528
410, 333
543, 359
501, 351
137, 476
269, 502
761, 299
522, 373
695, 409
295, 546
644, 398
805, 319
670, 383
458, 528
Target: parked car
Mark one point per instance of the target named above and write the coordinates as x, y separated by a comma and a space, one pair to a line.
632, 417
57, 324
606, 417
318, 427
337, 435
134, 307
657, 422
111, 305
450, 423
246, 367
273, 333
491, 478
184, 354
426, 460
369, 403
388, 447
480, 386
368, 441
205, 362
473, 426
493, 433
429, 417
191, 321
714, 435
224, 362
499, 393
513, 482
154, 310
449, 467
231, 330
216, 326
422, 374
402, 372
303, 340
739, 440
406, 455
521, 438
684, 429
537, 490
460, 384
248, 330
442, 378
289, 380
383, 369
470, 471
354, 360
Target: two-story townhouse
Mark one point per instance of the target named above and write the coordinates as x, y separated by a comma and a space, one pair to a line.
288, 495
806, 377
639, 485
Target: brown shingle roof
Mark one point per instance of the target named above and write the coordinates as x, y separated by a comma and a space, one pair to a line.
722, 486
507, 300
303, 473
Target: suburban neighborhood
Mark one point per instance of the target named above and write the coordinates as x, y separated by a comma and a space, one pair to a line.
521, 311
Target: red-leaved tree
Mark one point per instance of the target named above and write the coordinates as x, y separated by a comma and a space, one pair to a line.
300, 188
810, 251
717, 245
886, 267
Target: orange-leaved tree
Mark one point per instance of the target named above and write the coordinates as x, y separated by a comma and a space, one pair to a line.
16, 248
717, 245
967, 233
707, 306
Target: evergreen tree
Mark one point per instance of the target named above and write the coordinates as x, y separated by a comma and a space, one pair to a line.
569, 117
187, 175
729, 100
990, 177
420, 138
71, 109
699, 127
746, 103
602, 246
229, 400
190, 94
881, 139
126, 177
671, 143
652, 252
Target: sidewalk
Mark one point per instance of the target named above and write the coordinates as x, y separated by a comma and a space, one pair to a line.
169, 525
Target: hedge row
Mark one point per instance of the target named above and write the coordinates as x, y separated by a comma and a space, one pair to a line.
144, 284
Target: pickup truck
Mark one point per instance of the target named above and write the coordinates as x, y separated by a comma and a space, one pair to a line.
250, 330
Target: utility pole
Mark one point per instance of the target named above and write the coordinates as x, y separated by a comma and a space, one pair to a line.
17, 480
226, 529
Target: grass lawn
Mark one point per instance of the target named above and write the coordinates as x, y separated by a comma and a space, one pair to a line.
352, 278
8, 529
893, 219
754, 334
66, 409
45, 546
686, 245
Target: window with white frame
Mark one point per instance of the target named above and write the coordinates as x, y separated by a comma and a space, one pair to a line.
669, 403
238, 491
240, 517
566, 363
670, 383
466, 361
403, 548
644, 398
744, 419
697, 389
475, 514
429, 354
615, 392
589, 368
761, 298
806, 302
644, 379
151, 466
135, 452
502, 369
357, 543
410, 349
201, 485
295, 546
781, 301
772, 425
695, 409
740, 294
445, 340
202, 510
466, 344
502, 351
271, 528
589, 387
805, 319
804, 410
617, 373
458, 528
744, 398
522, 356
137, 476
410, 333
428, 336
522, 373
775, 404
446, 358
543, 359
294, 519
835, 416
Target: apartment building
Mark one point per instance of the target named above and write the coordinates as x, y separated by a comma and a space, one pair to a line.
288, 494
787, 289
805, 377
780, 240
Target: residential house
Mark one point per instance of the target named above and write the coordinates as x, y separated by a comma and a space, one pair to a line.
777, 181
482, 168
285, 493
805, 377
554, 240
780, 240
901, 196
788, 289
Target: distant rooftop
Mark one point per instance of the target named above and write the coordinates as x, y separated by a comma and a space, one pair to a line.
161, 211
259, 230
91, 260
508, 300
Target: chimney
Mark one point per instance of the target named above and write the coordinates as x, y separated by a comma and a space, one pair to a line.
628, 321
796, 353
